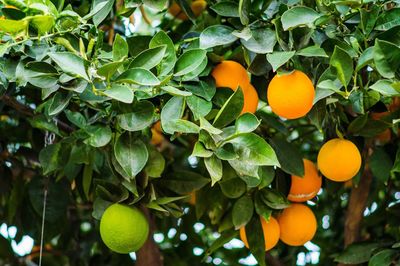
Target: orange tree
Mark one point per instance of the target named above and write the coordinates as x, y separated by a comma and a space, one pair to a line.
197, 120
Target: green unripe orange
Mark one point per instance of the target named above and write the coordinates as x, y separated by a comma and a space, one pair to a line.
123, 229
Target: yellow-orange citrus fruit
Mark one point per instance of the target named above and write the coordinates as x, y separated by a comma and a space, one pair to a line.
123, 229
339, 160
250, 99
306, 187
197, 7
291, 96
271, 233
156, 134
298, 224
395, 105
385, 136
230, 74
192, 198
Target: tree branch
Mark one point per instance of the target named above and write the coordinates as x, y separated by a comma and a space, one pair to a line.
25, 110
149, 254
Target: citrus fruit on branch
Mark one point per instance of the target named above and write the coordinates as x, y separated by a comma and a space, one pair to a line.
123, 229
339, 160
306, 187
297, 224
271, 233
291, 95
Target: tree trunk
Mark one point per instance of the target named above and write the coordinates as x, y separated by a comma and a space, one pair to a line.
149, 254
357, 205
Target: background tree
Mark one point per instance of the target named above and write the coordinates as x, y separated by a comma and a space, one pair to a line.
83, 85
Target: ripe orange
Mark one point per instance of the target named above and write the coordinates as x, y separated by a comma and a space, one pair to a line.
339, 160
306, 187
271, 233
156, 134
230, 74
197, 6
298, 225
192, 199
291, 96
250, 99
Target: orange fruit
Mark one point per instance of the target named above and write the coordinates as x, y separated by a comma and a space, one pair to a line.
230, 74
339, 160
291, 96
306, 187
250, 99
298, 224
192, 199
385, 136
197, 6
156, 134
271, 233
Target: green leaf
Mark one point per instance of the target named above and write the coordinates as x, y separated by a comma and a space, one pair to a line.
199, 106
204, 124
100, 10
383, 258
131, 153
87, 179
200, 151
168, 62
120, 93
139, 76
70, 63
13, 26
254, 149
58, 103
381, 164
139, 118
189, 61
312, 51
246, 123
99, 135
388, 19
49, 158
289, 156
175, 92
120, 48
366, 58
172, 111
232, 187
385, 88
386, 58
244, 11
278, 59
149, 58
182, 126
43, 23
202, 89
342, 62
184, 182
242, 211
226, 9
216, 35
107, 70
262, 41
356, 253
230, 110
299, 16
158, 5
255, 238
155, 164
214, 168
274, 199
